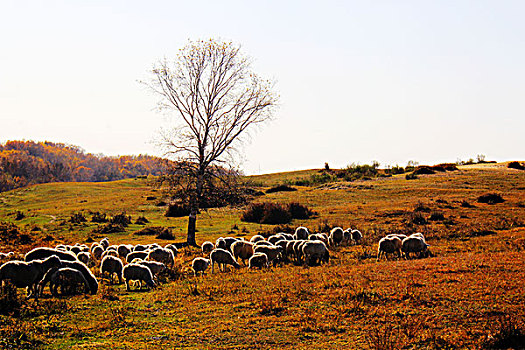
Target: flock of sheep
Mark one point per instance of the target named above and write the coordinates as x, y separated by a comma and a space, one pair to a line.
65, 268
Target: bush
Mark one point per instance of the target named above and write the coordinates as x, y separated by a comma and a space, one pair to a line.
411, 176
121, 219
141, 220
424, 170
267, 213
153, 230
99, 217
10, 301
299, 211
281, 188
10, 234
417, 218
436, 216
77, 218
516, 165
275, 213
506, 334
19, 215
177, 210
490, 198
109, 228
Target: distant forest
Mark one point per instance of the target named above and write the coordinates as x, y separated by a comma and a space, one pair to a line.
25, 163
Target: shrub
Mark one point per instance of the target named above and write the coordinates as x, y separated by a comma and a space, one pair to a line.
121, 219
411, 176
466, 204
490, 198
77, 218
10, 233
109, 228
99, 217
417, 218
141, 220
436, 216
177, 210
299, 211
516, 165
19, 215
161, 232
424, 170
281, 188
267, 213
506, 334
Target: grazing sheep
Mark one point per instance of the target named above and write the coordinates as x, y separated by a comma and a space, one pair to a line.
136, 272
44, 252
229, 241
67, 279
287, 236
259, 260
6, 256
265, 243
97, 251
388, 245
162, 255
75, 250
398, 235
242, 250
85, 257
112, 264
28, 274
357, 236
315, 252
61, 247
273, 239
289, 249
414, 244
173, 249
155, 267
222, 257
140, 248
273, 253
298, 250
336, 236
134, 255
109, 252
123, 250
301, 233
199, 265
88, 275
256, 238
207, 247
418, 234
220, 243
104, 242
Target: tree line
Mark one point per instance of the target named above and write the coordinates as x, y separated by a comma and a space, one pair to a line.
24, 163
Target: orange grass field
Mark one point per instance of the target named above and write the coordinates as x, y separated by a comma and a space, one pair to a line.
470, 295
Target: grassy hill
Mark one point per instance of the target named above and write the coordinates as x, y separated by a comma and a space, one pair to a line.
470, 290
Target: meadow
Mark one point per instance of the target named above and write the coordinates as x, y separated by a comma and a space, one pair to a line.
470, 294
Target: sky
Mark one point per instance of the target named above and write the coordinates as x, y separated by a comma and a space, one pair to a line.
390, 81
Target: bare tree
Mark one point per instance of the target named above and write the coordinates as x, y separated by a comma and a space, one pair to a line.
214, 98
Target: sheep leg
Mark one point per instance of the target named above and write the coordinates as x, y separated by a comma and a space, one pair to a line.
127, 285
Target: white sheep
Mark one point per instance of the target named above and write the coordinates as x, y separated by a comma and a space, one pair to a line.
173, 249
162, 255
242, 250
256, 238
123, 250
315, 252
301, 233
199, 265
357, 236
207, 247
222, 257
136, 272
88, 275
44, 252
414, 244
155, 267
27, 274
111, 264
136, 255
259, 260
104, 242
97, 251
388, 245
273, 253
67, 279
85, 257
336, 236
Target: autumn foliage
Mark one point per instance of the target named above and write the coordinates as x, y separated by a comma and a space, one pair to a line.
25, 163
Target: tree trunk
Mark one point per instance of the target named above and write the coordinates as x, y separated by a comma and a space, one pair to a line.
192, 220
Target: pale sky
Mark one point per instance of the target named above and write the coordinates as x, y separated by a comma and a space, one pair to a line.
391, 81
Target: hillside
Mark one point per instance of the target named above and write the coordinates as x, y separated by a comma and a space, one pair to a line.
445, 301
24, 163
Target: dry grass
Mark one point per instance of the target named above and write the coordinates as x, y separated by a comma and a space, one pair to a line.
456, 299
